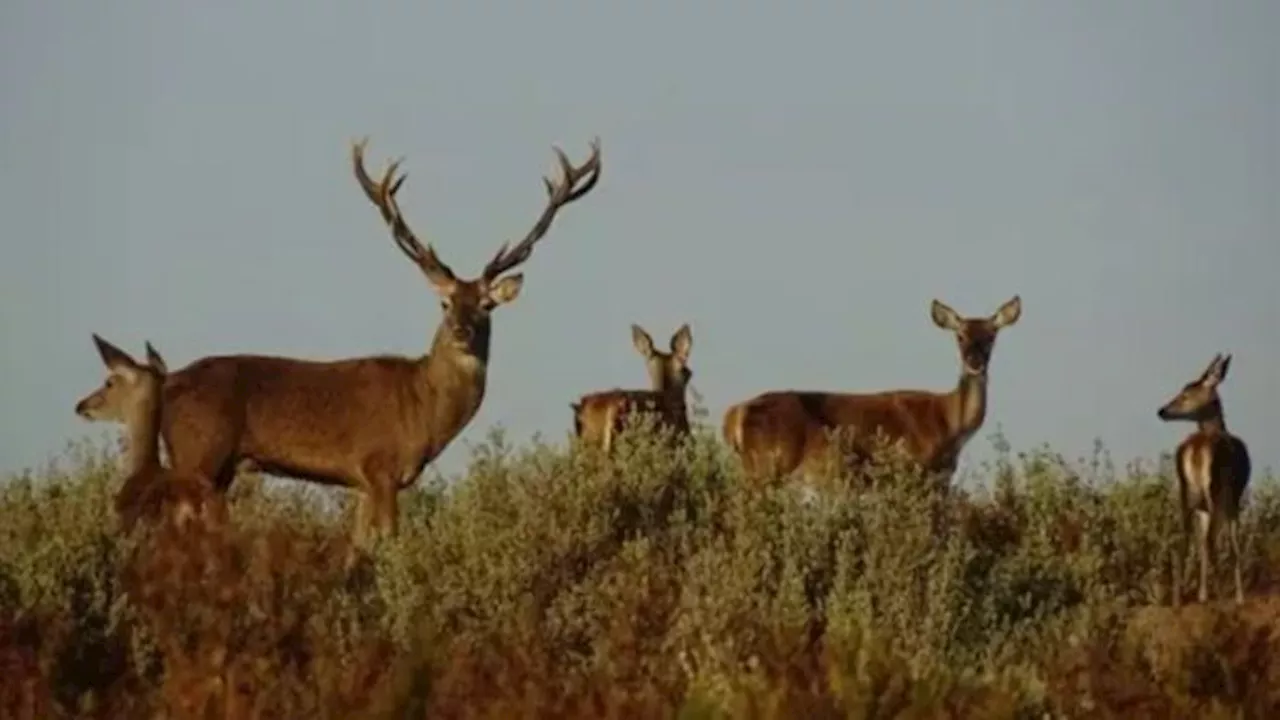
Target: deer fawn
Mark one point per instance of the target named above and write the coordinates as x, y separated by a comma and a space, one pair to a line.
598, 417
1213, 471
131, 394
368, 423
788, 430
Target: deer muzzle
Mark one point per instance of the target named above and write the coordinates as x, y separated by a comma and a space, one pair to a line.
86, 407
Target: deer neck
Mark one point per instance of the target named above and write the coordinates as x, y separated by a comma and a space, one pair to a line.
1213, 421
452, 383
672, 397
966, 406
142, 433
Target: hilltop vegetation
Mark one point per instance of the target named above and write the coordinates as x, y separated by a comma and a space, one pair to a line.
548, 582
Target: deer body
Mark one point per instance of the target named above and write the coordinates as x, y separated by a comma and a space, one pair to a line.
788, 431
369, 423
1213, 469
394, 417
133, 394
600, 416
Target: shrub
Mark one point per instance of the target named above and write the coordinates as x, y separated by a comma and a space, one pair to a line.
552, 581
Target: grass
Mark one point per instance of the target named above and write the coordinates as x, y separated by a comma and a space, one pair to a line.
549, 582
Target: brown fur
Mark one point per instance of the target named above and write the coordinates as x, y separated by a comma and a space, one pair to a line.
598, 417
789, 430
368, 423
151, 492
1213, 471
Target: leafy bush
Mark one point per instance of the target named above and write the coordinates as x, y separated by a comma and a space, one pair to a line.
550, 581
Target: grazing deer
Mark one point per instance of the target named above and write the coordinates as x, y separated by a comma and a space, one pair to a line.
131, 394
1213, 471
368, 423
600, 416
788, 430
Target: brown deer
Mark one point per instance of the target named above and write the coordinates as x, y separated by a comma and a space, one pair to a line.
131, 394
789, 430
1213, 471
599, 417
368, 423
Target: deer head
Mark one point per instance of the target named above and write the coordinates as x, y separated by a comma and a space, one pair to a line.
976, 336
131, 389
466, 304
1198, 399
668, 371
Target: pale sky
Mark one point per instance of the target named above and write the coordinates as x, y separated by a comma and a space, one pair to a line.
796, 181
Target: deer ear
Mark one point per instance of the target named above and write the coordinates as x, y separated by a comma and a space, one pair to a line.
682, 343
943, 316
506, 289
1008, 313
155, 360
113, 357
641, 340
1217, 370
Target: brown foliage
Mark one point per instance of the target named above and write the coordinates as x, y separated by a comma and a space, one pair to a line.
649, 584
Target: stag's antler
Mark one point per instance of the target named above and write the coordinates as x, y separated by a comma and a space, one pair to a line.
558, 195
383, 195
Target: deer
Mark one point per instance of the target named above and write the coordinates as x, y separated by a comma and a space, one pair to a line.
785, 432
371, 423
151, 493
1213, 469
599, 417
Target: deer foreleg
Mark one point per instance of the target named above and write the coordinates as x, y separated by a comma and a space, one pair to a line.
364, 519
386, 509
1205, 527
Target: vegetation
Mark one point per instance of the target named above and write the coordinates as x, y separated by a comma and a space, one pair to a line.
551, 582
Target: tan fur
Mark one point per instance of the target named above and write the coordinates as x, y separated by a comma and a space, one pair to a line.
732, 426
600, 416
788, 431
1213, 469
151, 492
368, 423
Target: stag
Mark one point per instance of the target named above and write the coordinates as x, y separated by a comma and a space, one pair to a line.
787, 431
600, 416
368, 423
131, 394
1213, 471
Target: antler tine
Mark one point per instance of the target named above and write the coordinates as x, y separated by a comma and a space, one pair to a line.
383, 195
559, 194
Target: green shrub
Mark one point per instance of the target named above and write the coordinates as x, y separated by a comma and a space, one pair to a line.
552, 581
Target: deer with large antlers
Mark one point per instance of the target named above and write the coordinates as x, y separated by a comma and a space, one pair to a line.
131, 394
368, 423
598, 417
1213, 470
788, 431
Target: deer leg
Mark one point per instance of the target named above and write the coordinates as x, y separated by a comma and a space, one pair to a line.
387, 511
1233, 532
363, 520
1204, 541
1181, 557
359, 531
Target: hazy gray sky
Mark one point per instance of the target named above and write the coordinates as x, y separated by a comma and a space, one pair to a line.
797, 181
